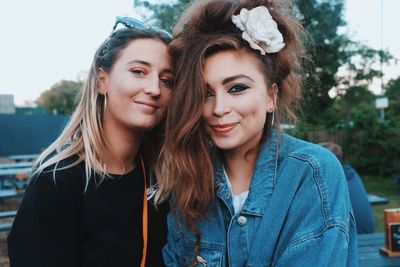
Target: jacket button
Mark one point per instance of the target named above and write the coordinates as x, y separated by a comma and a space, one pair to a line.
242, 220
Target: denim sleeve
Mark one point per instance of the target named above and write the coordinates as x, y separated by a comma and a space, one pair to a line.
333, 247
171, 252
326, 225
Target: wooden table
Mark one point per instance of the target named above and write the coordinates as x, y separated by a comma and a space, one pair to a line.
368, 251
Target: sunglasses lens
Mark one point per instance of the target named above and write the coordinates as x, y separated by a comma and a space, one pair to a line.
135, 24
131, 23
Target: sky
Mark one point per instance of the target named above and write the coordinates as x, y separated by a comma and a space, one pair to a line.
46, 41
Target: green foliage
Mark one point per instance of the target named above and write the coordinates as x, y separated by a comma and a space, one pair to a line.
355, 108
164, 14
375, 149
393, 93
60, 97
322, 19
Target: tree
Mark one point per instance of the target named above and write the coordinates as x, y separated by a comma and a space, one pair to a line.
163, 14
393, 93
322, 19
60, 98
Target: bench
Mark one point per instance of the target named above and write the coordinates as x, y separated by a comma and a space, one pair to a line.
30, 157
14, 165
377, 200
14, 177
7, 214
10, 193
5, 227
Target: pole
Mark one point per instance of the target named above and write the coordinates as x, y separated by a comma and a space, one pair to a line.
381, 52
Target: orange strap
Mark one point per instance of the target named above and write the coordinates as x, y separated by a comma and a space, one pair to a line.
144, 217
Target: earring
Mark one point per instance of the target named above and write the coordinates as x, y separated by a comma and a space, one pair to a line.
104, 95
105, 101
273, 119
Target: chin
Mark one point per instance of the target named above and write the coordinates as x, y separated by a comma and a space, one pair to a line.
143, 127
225, 145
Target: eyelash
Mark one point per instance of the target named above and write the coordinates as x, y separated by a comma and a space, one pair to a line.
138, 72
238, 88
165, 81
235, 89
169, 83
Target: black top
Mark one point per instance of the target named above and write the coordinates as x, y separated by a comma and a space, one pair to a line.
58, 224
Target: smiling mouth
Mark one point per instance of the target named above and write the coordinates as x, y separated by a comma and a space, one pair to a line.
148, 105
223, 128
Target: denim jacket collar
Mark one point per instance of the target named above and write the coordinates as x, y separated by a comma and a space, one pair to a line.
263, 179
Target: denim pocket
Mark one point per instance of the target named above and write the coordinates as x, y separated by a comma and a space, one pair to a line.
210, 253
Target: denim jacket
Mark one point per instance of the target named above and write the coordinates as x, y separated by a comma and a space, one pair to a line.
297, 213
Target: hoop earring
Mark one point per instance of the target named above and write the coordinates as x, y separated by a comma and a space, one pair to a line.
273, 119
105, 102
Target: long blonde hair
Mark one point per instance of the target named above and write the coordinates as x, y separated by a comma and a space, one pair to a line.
83, 135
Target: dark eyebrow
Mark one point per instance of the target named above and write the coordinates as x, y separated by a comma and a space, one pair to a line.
232, 78
169, 71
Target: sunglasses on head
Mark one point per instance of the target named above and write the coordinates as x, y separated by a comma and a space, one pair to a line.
132, 23
129, 23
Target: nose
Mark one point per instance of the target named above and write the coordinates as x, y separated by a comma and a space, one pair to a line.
221, 105
152, 86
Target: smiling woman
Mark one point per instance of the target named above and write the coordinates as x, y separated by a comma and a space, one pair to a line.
87, 202
137, 87
245, 194
237, 100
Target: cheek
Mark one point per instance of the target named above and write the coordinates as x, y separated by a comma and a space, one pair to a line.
166, 94
206, 111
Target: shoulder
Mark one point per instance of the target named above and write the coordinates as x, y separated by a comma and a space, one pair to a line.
68, 174
294, 147
322, 161
315, 167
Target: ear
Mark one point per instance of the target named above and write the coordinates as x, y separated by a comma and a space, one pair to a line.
102, 78
272, 97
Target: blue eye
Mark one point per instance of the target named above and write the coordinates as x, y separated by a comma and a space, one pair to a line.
237, 88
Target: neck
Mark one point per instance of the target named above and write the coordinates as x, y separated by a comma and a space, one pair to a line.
122, 148
239, 165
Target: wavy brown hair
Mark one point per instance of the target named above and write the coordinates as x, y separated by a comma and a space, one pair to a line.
186, 168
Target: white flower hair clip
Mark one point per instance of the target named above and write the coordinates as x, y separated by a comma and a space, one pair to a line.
259, 29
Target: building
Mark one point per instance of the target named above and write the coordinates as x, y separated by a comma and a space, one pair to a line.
7, 104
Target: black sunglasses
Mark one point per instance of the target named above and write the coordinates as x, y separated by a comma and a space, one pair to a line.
129, 23
132, 23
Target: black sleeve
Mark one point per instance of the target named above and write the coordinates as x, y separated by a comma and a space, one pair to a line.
46, 230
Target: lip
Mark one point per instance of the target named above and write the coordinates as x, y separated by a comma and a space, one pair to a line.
148, 105
223, 128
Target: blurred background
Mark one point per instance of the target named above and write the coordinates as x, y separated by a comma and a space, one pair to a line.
351, 89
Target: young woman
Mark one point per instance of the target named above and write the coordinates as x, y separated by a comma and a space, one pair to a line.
87, 203
245, 194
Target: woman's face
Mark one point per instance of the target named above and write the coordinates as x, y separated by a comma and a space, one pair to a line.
138, 86
237, 101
